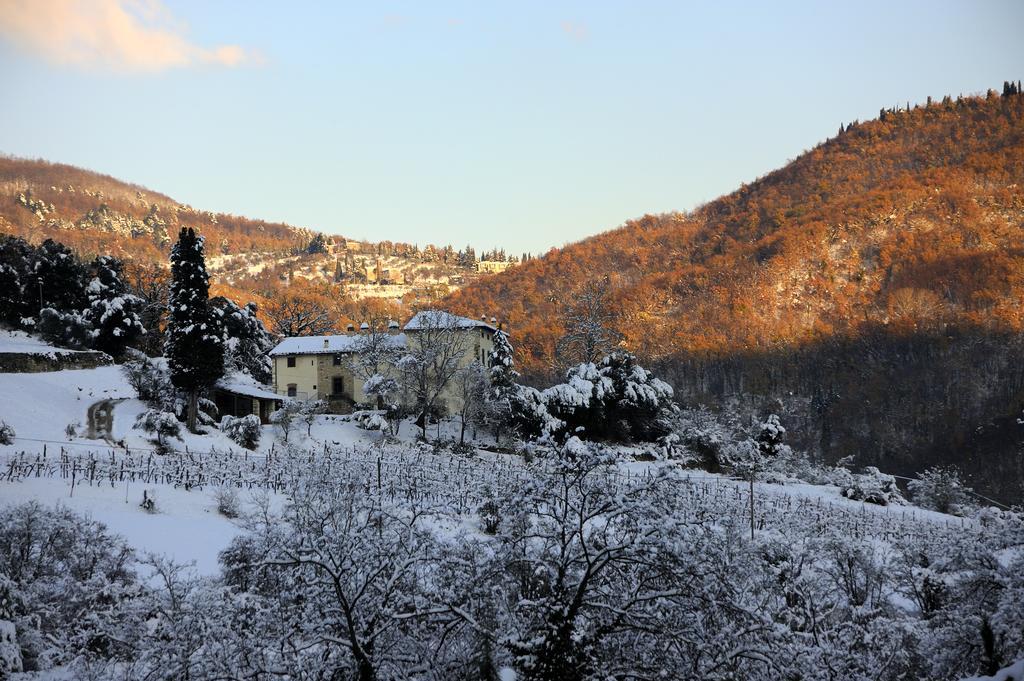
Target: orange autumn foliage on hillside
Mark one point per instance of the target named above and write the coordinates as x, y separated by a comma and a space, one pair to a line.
909, 221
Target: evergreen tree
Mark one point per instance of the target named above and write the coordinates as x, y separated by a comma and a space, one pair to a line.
318, 244
15, 270
194, 345
113, 312
246, 339
770, 438
501, 398
58, 278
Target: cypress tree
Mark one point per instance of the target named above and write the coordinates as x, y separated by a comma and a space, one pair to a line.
194, 346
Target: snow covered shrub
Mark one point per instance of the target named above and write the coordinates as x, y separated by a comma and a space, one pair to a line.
701, 436
63, 578
871, 486
370, 419
148, 502
66, 329
244, 431
7, 433
616, 399
940, 489
150, 379
71, 430
228, 503
489, 512
162, 424
10, 651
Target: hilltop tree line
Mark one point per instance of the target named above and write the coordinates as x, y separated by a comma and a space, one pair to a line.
897, 232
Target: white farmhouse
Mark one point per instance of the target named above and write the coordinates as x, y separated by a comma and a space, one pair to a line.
318, 367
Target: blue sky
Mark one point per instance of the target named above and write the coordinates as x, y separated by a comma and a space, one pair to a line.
524, 125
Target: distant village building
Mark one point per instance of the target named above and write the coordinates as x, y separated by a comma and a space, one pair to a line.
492, 266
318, 367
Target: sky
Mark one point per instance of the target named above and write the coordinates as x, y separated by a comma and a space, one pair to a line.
522, 125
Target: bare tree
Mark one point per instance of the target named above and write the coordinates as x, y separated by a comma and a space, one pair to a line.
435, 348
589, 335
472, 385
296, 313
375, 351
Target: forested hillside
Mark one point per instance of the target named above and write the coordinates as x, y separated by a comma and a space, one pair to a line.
872, 286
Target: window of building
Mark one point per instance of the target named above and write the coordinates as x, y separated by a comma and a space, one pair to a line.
291, 361
337, 385
337, 360
292, 390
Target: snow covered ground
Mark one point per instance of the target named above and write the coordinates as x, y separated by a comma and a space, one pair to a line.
186, 524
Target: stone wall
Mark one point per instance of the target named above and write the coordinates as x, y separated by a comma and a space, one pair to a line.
57, 360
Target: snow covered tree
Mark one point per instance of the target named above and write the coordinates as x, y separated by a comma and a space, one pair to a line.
616, 399
66, 329
162, 424
59, 278
15, 271
286, 417
244, 431
113, 312
194, 346
504, 389
434, 353
771, 438
375, 353
246, 339
309, 410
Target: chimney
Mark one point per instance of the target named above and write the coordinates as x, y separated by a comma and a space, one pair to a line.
364, 327
327, 343
351, 328
494, 321
392, 327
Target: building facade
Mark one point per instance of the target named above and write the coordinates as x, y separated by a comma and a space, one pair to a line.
320, 367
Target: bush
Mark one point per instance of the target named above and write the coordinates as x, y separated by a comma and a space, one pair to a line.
160, 423
370, 419
66, 329
150, 379
7, 433
940, 489
244, 431
228, 503
871, 486
62, 577
148, 502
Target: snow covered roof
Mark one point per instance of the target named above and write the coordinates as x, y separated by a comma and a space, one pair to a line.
325, 345
429, 319
244, 384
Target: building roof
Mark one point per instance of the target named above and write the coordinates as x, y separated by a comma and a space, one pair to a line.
342, 343
441, 319
244, 384
325, 345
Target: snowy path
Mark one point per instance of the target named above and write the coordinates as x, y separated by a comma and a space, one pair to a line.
101, 419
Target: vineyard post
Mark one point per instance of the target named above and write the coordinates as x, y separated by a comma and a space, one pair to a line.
751, 508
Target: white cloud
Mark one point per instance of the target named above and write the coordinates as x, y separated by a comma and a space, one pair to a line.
119, 35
